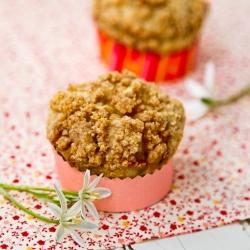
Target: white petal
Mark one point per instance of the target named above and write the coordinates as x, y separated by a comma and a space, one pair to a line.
75, 209
83, 211
92, 210
86, 179
95, 182
55, 209
209, 76
62, 199
85, 226
80, 194
197, 90
60, 233
103, 192
194, 110
76, 237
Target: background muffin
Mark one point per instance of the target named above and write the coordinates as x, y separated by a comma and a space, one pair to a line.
156, 39
117, 125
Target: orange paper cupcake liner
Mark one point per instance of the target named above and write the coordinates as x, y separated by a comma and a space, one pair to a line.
127, 194
147, 65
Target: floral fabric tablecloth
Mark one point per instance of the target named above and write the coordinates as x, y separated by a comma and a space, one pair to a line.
46, 45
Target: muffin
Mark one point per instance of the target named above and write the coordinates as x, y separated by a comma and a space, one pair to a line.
156, 39
118, 125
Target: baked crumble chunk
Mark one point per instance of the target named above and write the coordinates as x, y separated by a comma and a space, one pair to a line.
118, 125
159, 26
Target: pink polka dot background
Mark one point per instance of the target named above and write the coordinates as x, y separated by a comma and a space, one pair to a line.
46, 45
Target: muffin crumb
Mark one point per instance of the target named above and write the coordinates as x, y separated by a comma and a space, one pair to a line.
151, 25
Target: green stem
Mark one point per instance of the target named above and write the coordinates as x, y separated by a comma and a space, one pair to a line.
26, 210
29, 189
214, 103
233, 98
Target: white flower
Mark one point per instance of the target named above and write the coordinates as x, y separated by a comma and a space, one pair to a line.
70, 220
90, 193
197, 108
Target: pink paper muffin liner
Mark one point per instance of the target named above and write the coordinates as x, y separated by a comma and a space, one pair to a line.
127, 194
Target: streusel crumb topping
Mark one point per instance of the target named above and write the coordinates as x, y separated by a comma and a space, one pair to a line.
118, 125
159, 26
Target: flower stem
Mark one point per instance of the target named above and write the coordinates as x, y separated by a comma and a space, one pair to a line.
29, 189
26, 210
218, 103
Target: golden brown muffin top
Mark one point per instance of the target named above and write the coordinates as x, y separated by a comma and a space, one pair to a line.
118, 125
160, 26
